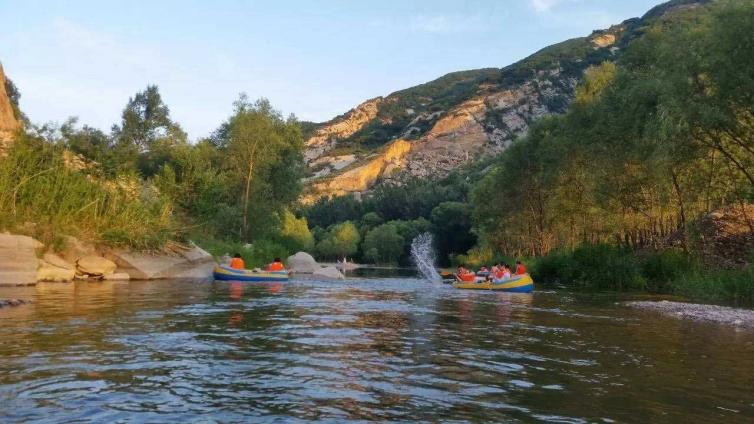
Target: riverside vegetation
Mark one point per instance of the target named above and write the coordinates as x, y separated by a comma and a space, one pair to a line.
607, 195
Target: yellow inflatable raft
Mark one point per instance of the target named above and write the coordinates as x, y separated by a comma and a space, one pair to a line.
518, 284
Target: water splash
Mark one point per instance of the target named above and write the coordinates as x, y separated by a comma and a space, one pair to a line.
423, 255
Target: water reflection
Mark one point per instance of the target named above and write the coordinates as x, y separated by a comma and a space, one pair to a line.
358, 350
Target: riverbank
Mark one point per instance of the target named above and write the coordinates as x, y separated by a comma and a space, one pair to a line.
669, 271
25, 260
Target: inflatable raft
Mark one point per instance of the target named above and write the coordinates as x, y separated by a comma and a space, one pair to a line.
226, 273
519, 284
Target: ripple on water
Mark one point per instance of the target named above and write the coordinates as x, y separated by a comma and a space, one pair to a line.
355, 351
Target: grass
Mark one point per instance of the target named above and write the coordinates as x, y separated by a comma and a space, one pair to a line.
605, 267
41, 197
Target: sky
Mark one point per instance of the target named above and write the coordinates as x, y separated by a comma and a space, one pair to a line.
314, 59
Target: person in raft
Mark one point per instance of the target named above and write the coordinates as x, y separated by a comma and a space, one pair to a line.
520, 268
276, 266
237, 262
464, 275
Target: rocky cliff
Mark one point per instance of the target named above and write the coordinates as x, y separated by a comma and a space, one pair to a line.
462, 116
9, 124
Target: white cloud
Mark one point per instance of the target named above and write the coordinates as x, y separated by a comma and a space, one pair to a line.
542, 6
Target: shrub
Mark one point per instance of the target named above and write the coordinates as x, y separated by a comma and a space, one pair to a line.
733, 286
37, 186
662, 268
555, 268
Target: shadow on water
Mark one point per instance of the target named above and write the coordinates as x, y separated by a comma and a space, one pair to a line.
363, 349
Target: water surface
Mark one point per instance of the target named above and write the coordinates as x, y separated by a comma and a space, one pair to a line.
380, 349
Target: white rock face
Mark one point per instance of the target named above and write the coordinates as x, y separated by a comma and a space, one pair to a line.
329, 273
57, 261
96, 266
302, 263
18, 259
191, 263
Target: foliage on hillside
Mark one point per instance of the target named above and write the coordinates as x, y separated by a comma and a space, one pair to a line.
672, 128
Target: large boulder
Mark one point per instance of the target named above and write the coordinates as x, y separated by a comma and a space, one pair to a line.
95, 266
74, 249
57, 261
302, 263
18, 259
53, 273
191, 262
328, 273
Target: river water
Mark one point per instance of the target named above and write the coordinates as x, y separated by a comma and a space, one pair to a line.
365, 349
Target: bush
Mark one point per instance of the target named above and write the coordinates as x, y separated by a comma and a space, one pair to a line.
295, 234
662, 268
555, 268
732, 287
594, 267
37, 186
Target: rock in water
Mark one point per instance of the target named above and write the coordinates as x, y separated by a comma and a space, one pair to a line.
303, 263
118, 276
329, 273
95, 266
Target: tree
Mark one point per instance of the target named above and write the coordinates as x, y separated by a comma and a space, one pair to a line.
451, 222
384, 244
145, 119
294, 233
264, 151
342, 240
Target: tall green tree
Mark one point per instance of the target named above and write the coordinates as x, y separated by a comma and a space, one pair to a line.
264, 156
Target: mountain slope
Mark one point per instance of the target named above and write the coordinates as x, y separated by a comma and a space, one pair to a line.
9, 123
433, 128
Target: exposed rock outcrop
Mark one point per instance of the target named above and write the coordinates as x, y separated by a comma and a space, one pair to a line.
95, 266
8, 122
325, 137
364, 176
191, 262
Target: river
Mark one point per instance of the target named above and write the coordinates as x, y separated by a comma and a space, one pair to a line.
364, 349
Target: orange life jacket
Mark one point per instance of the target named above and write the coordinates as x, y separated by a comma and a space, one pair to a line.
237, 263
468, 277
276, 266
520, 269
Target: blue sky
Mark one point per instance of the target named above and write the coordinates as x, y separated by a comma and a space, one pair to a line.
316, 59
